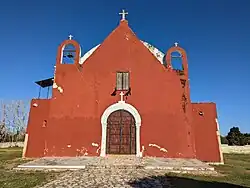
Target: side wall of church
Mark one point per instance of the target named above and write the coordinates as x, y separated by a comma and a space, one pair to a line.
206, 132
36, 130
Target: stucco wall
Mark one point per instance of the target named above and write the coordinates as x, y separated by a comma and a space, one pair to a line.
235, 149
82, 93
36, 130
206, 138
74, 123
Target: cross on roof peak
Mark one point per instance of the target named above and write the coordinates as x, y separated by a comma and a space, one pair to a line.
176, 44
70, 37
123, 13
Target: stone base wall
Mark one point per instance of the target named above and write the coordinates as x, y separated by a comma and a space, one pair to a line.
11, 144
235, 149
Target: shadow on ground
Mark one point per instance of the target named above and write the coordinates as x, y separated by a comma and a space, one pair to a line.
178, 182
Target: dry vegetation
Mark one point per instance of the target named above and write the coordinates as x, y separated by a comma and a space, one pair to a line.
13, 120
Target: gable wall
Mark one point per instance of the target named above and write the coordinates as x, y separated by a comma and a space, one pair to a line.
83, 93
156, 93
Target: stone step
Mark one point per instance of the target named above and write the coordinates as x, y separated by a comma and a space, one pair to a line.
121, 162
139, 166
114, 167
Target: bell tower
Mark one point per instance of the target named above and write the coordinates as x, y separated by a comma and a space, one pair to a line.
69, 52
178, 55
176, 61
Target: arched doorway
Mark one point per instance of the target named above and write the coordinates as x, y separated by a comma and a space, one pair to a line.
121, 105
121, 133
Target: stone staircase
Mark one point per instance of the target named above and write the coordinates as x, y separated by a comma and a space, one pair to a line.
117, 161
120, 162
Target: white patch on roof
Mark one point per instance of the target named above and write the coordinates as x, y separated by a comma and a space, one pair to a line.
89, 53
156, 52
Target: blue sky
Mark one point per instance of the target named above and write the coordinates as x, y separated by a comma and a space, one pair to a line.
215, 34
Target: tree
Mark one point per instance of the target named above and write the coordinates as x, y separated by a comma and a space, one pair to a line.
223, 140
235, 137
13, 121
2, 132
247, 136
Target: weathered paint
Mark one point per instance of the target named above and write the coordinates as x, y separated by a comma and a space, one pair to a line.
206, 138
73, 115
160, 148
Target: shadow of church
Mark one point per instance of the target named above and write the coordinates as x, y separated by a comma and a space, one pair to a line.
169, 181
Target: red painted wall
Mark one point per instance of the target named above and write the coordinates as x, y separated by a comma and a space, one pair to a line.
37, 128
81, 94
206, 139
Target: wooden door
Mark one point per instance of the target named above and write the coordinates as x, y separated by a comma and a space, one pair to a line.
121, 133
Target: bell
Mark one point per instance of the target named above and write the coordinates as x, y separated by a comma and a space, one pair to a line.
70, 55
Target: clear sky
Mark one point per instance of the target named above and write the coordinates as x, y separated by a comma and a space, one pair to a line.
215, 34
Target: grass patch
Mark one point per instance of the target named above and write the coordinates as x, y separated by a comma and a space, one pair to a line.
234, 173
10, 158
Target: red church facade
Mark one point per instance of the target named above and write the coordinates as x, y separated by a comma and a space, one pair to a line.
121, 99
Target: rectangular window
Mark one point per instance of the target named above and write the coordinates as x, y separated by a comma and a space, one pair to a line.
122, 80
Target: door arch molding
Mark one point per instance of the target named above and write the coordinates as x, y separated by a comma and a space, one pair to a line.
121, 105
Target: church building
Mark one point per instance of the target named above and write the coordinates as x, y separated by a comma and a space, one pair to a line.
123, 97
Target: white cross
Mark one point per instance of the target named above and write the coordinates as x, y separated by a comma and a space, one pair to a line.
121, 94
123, 13
70, 37
176, 44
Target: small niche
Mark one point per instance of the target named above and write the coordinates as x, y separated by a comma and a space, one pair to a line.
201, 113
44, 123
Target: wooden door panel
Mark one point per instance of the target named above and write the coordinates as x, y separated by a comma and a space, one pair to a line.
114, 148
121, 133
125, 149
115, 130
115, 139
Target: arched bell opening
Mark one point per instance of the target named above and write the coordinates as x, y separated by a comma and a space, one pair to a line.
69, 54
177, 63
